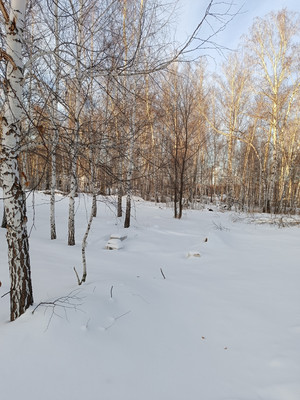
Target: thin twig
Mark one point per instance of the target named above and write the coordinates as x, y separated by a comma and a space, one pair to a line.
63, 301
78, 279
162, 273
5, 294
70, 301
115, 319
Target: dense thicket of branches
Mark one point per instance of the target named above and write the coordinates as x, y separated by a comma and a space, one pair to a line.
178, 134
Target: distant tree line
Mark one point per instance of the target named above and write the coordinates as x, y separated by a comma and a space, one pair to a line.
179, 134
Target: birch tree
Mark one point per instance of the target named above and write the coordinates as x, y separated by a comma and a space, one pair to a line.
232, 100
182, 136
56, 128
21, 296
272, 49
77, 112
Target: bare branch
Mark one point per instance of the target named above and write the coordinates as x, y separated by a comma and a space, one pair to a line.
4, 11
7, 57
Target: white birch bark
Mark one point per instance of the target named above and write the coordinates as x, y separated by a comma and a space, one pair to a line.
56, 134
74, 147
120, 188
84, 241
128, 191
21, 296
91, 133
4, 222
130, 167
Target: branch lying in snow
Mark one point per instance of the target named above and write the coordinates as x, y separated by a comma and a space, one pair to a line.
162, 273
63, 301
70, 301
115, 319
220, 227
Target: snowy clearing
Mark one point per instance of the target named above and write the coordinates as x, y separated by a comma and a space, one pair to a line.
205, 308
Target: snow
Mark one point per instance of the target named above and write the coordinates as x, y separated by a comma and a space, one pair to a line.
223, 326
114, 244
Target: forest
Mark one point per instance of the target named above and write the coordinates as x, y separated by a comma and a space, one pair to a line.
96, 97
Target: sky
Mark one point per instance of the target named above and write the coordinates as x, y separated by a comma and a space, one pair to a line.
191, 11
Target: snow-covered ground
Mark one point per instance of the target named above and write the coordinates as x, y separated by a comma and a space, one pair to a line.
155, 321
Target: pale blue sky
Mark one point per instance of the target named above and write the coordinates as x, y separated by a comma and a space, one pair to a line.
191, 11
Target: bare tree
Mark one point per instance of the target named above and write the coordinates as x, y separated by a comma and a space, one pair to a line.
21, 296
55, 120
231, 98
273, 51
182, 131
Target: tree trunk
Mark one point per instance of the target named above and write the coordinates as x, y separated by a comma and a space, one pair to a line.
52, 193
129, 183
21, 296
94, 205
119, 206
84, 241
72, 194
130, 167
75, 144
128, 211
56, 133
4, 221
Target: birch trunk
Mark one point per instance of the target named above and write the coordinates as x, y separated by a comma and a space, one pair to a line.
84, 241
74, 147
4, 222
119, 170
229, 183
120, 194
55, 138
93, 181
129, 174
120, 182
72, 194
92, 158
274, 165
21, 296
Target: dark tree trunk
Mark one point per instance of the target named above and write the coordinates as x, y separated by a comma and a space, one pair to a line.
4, 221
128, 211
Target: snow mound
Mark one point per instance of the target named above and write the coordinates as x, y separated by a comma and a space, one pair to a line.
114, 244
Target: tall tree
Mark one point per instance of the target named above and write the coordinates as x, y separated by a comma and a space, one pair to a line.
232, 101
55, 121
272, 48
182, 133
21, 296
